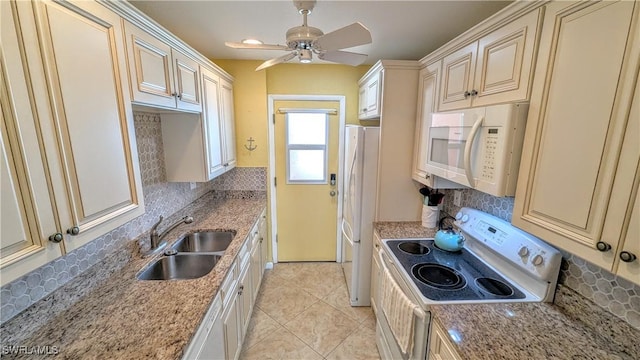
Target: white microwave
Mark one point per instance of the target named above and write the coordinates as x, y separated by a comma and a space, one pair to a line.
479, 148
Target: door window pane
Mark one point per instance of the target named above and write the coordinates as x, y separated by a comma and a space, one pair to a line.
307, 147
307, 128
306, 165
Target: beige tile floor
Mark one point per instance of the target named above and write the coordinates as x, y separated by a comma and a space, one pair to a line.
303, 312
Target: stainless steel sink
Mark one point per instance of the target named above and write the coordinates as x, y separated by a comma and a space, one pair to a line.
180, 267
206, 241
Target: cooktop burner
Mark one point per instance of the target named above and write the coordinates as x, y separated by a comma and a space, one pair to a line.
494, 287
451, 276
413, 248
439, 276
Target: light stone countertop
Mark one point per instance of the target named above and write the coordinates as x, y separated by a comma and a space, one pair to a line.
106, 313
571, 328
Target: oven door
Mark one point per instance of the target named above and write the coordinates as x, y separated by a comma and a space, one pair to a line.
388, 345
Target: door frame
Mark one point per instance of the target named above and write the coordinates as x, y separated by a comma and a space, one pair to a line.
272, 98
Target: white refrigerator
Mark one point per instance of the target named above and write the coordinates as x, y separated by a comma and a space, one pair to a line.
358, 210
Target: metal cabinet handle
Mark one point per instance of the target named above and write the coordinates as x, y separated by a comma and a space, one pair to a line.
603, 246
56, 238
73, 230
627, 256
473, 93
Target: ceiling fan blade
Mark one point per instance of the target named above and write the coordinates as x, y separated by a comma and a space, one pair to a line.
343, 57
346, 37
278, 60
237, 45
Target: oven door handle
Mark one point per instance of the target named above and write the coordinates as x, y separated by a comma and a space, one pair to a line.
467, 151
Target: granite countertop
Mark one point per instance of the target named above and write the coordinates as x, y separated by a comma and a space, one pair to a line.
570, 328
122, 317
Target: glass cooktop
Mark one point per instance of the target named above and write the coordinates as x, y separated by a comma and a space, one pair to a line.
450, 276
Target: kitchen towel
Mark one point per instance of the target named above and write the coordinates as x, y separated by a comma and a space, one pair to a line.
399, 311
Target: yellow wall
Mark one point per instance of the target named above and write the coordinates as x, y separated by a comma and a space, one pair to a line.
250, 90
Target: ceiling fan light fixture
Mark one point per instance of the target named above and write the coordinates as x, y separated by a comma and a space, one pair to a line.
305, 56
252, 42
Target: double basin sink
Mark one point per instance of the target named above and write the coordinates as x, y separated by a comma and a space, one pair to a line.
195, 256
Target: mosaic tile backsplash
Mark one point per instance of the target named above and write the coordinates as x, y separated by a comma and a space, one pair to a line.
614, 294
160, 197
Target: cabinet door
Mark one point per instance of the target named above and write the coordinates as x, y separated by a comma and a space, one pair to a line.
84, 57
362, 102
212, 123
28, 217
458, 71
232, 329
440, 347
246, 299
150, 73
373, 97
264, 242
375, 276
229, 131
427, 100
505, 60
574, 137
187, 73
256, 268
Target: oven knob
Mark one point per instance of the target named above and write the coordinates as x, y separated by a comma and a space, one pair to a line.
459, 215
465, 218
524, 251
537, 260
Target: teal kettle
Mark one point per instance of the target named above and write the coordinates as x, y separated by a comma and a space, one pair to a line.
449, 240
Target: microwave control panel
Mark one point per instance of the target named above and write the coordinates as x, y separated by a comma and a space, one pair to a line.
490, 149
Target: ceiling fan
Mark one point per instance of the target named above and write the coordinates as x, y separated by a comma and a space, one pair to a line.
303, 41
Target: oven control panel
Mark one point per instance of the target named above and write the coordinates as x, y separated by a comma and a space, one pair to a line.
522, 249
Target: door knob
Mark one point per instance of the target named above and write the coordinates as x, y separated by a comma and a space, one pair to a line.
332, 193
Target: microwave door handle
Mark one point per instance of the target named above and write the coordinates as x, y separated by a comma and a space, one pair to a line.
467, 151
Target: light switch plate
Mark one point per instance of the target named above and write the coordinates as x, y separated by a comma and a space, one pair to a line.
457, 197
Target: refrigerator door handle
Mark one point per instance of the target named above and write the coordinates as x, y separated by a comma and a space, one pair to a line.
347, 234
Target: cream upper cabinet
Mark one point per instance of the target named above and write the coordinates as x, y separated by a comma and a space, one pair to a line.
228, 119
28, 217
159, 75
94, 163
369, 96
427, 102
495, 69
200, 147
580, 155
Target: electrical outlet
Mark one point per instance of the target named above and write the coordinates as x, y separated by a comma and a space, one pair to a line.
457, 197
192, 185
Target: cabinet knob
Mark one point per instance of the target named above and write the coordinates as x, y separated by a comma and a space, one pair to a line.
56, 238
467, 94
427, 176
473, 93
627, 256
174, 94
180, 96
603, 246
73, 230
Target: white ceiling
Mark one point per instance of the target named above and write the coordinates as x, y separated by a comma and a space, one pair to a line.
401, 30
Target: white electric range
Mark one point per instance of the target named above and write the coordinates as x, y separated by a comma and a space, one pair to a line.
499, 263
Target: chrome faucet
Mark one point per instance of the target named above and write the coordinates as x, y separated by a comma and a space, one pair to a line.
156, 238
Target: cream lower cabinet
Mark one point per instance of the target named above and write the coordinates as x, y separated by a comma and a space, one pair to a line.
495, 69
376, 276
81, 129
209, 338
579, 169
440, 347
200, 147
161, 76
